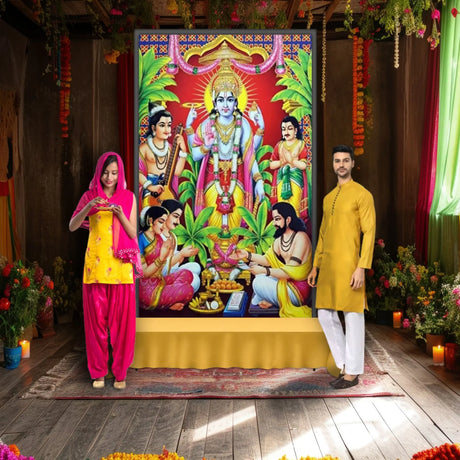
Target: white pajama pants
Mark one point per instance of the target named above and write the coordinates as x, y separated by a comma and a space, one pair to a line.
347, 347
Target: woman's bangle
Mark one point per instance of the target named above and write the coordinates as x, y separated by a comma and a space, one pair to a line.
260, 132
268, 271
257, 176
204, 150
182, 154
189, 130
249, 256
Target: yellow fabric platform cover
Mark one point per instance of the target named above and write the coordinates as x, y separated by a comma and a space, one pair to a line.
203, 343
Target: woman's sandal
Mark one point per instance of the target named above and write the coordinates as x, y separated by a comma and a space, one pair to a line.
98, 383
119, 385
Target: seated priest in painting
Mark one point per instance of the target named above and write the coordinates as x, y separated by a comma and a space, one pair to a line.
280, 274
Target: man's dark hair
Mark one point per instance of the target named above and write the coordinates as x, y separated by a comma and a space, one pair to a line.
172, 205
344, 148
295, 123
287, 210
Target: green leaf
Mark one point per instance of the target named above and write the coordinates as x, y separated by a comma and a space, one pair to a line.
204, 216
298, 71
287, 94
248, 217
189, 218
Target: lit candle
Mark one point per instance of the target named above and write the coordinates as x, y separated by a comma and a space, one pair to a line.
397, 315
438, 355
25, 345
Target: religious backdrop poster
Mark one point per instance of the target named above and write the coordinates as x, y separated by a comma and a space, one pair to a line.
225, 162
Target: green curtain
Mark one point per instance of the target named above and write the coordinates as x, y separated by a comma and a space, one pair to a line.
443, 242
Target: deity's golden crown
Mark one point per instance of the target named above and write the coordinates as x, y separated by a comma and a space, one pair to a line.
225, 80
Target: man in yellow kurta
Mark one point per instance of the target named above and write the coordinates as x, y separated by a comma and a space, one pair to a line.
344, 250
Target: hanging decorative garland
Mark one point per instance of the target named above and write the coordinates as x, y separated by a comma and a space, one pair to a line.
323, 66
64, 80
358, 95
362, 101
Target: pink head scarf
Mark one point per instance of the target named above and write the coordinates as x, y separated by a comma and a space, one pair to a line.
124, 247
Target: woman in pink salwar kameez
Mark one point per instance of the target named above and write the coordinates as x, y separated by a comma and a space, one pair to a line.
112, 261
156, 291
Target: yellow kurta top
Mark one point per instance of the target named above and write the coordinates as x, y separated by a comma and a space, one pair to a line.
348, 214
101, 266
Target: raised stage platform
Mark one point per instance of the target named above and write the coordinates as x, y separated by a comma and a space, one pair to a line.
204, 343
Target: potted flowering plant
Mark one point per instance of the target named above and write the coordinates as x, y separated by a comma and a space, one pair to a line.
451, 296
382, 286
18, 301
45, 311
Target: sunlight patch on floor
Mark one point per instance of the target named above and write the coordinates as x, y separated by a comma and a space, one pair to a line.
224, 423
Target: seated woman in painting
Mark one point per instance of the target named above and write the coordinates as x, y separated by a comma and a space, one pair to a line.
289, 162
229, 175
156, 291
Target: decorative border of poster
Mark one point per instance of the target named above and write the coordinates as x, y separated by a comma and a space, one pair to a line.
211, 152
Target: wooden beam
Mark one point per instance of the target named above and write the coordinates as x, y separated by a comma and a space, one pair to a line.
101, 12
331, 8
25, 9
291, 10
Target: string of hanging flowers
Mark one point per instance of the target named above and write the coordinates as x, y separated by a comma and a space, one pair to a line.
64, 81
362, 100
358, 95
323, 60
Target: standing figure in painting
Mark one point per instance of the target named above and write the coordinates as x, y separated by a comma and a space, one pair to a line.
174, 263
112, 253
172, 291
282, 271
156, 161
289, 162
229, 175
344, 251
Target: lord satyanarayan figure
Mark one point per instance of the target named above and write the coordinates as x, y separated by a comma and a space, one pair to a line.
229, 175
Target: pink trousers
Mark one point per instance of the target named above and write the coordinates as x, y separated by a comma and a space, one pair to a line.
109, 309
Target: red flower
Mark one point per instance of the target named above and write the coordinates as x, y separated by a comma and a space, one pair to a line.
7, 270
4, 304
381, 243
454, 12
386, 283
25, 282
370, 272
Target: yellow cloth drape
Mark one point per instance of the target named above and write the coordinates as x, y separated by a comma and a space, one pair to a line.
203, 343
297, 273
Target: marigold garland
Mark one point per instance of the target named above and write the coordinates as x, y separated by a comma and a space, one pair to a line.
358, 95
323, 66
165, 455
64, 81
445, 452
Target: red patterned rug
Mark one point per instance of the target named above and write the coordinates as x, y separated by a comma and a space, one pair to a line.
70, 380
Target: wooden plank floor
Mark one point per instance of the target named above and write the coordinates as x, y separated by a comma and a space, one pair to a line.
264, 429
